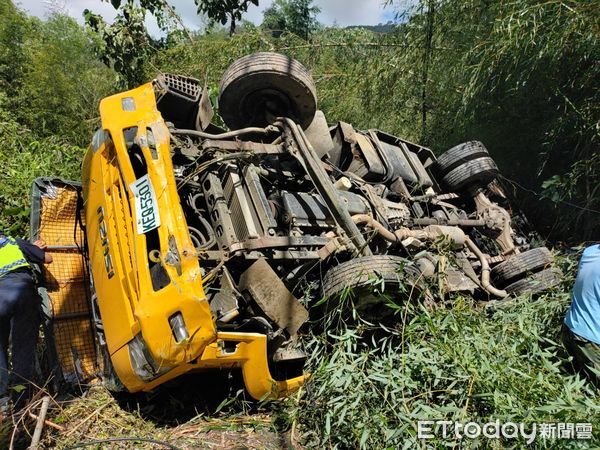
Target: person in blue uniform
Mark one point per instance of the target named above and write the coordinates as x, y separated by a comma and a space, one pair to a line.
581, 331
19, 316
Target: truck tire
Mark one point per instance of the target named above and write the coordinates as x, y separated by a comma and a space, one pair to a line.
525, 263
535, 283
477, 173
459, 155
257, 88
358, 275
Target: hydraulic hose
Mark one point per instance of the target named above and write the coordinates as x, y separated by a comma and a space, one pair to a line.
365, 219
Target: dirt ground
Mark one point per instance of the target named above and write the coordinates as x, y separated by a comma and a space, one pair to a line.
183, 416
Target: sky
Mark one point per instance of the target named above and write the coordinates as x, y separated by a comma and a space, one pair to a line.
340, 12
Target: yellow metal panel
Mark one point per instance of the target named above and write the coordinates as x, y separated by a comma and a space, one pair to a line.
250, 355
101, 231
127, 301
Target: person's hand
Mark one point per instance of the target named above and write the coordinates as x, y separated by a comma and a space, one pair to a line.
41, 244
47, 256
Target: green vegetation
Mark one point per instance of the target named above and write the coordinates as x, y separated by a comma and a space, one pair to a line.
224, 11
371, 384
50, 85
522, 76
294, 16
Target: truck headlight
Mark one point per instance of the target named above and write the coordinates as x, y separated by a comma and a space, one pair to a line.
142, 362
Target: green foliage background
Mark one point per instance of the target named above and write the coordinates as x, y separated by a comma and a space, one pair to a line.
520, 75
50, 84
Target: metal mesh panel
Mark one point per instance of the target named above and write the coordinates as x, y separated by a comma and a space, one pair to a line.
66, 282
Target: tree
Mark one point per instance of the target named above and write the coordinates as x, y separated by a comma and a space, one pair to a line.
64, 81
224, 11
14, 28
166, 16
295, 16
274, 20
125, 44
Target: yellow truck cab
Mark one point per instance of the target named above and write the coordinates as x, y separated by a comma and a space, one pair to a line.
146, 276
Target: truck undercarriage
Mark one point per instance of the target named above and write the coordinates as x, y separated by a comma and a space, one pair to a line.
287, 216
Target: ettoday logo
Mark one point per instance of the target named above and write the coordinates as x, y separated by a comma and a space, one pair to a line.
447, 429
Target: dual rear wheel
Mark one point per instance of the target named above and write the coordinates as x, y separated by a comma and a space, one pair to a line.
529, 272
465, 167
260, 87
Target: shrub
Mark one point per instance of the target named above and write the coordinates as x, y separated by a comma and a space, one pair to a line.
371, 384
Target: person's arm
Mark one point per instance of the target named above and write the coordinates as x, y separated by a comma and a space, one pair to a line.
34, 253
42, 245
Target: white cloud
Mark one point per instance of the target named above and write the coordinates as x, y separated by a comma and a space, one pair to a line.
74, 8
350, 12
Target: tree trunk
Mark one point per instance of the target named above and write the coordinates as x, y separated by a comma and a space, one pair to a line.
426, 61
232, 23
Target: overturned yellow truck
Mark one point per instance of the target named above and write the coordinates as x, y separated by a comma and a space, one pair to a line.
187, 247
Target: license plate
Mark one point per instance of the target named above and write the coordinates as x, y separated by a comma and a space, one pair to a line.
146, 207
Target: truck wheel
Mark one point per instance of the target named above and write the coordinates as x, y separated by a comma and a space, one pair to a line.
477, 173
525, 263
369, 279
459, 155
535, 283
257, 88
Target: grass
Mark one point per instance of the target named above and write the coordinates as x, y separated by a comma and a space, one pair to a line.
468, 362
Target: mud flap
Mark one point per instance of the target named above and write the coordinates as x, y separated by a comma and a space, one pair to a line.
270, 294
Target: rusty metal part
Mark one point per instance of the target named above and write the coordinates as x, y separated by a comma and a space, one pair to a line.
497, 221
449, 222
485, 270
278, 242
301, 209
227, 135
365, 219
224, 303
243, 146
454, 234
333, 246
366, 161
270, 294
218, 210
431, 232
455, 279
